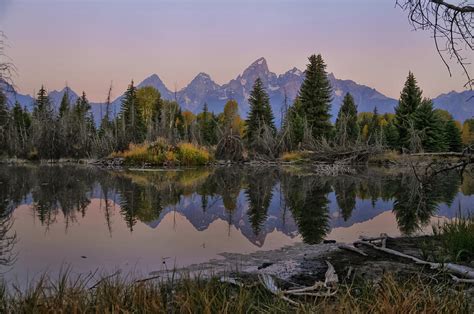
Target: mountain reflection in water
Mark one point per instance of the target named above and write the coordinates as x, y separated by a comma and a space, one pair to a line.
93, 218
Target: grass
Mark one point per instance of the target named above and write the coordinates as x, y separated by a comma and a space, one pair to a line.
115, 294
294, 156
457, 237
160, 153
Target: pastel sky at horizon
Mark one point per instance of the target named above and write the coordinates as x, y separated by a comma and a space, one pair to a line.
89, 43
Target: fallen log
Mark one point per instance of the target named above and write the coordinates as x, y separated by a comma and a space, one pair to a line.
457, 269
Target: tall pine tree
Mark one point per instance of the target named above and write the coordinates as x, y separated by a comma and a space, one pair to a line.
65, 104
260, 112
315, 97
44, 127
347, 128
410, 100
133, 126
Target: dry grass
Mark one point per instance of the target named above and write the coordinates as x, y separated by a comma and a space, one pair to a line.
160, 153
198, 295
294, 156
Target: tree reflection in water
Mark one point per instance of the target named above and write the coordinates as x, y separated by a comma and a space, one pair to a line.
306, 197
54, 191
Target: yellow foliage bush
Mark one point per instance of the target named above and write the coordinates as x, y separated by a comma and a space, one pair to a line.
190, 154
161, 153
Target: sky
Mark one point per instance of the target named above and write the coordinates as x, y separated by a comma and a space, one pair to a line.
87, 44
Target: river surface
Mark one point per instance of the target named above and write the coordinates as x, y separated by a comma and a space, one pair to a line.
143, 221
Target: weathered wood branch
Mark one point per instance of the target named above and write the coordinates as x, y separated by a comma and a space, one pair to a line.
457, 269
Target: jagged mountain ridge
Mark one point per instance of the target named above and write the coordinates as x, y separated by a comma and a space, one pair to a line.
202, 89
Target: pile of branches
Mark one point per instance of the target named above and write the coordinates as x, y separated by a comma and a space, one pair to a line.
265, 146
230, 147
357, 153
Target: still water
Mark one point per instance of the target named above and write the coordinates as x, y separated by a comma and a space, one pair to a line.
92, 219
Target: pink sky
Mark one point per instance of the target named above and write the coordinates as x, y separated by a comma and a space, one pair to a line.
90, 43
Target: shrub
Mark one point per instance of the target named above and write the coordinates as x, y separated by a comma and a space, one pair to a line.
160, 153
457, 237
189, 154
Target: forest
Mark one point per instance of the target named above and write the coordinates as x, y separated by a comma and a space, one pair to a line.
149, 129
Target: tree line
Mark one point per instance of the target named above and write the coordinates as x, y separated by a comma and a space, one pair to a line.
70, 132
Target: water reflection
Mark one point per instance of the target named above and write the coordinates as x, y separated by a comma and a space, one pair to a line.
254, 202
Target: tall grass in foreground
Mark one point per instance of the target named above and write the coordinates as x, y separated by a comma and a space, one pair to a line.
457, 237
116, 294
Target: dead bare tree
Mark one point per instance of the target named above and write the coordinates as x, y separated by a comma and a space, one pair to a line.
452, 26
7, 68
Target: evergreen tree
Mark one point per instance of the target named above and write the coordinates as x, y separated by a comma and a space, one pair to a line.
294, 126
65, 104
374, 127
410, 100
208, 126
44, 129
20, 128
391, 135
4, 123
260, 112
453, 136
347, 128
21, 117
42, 105
133, 126
428, 122
315, 97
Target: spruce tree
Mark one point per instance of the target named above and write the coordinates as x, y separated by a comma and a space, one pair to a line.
21, 121
315, 97
294, 125
44, 131
410, 100
21, 117
42, 105
208, 125
453, 136
391, 135
4, 122
65, 104
374, 127
133, 124
347, 128
427, 121
260, 112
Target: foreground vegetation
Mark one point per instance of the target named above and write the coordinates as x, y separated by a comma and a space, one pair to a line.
115, 294
457, 238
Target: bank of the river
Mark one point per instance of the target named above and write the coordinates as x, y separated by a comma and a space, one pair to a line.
368, 281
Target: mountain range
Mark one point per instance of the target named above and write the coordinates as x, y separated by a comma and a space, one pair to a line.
202, 89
